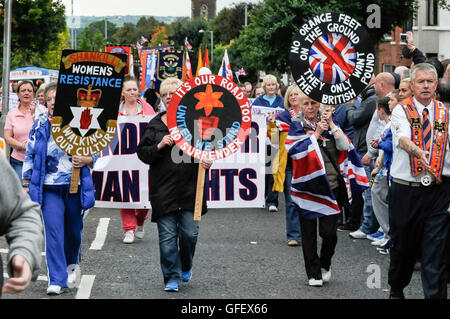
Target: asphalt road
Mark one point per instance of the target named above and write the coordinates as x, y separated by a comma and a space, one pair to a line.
241, 254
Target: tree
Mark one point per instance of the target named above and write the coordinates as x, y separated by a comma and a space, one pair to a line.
229, 22
35, 25
127, 34
188, 28
264, 44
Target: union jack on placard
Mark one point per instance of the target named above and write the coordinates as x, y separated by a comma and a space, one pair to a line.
332, 58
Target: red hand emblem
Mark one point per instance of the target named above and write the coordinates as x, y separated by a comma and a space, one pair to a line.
86, 118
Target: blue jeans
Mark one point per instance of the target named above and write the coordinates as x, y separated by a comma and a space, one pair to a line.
17, 166
271, 196
370, 223
292, 218
178, 234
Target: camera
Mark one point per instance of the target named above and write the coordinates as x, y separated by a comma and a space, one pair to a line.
403, 37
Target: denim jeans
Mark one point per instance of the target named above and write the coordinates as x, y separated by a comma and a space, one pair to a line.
178, 234
292, 218
271, 196
370, 223
17, 166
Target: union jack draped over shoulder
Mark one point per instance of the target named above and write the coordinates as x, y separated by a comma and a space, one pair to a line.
311, 191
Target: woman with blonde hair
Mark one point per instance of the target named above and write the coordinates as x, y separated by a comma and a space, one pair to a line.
282, 174
18, 125
270, 98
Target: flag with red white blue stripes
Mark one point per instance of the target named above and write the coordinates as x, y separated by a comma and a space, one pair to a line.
187, 44
332, 58
311, 190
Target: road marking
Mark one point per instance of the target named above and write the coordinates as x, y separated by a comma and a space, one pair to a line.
84, 290
100, 236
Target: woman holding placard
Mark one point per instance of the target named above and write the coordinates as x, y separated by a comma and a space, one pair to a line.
47, 174
319, 149
172, 195
133, 219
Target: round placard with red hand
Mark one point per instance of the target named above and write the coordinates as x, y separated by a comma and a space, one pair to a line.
209, 117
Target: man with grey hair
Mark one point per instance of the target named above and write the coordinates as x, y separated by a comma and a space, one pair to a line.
419, 194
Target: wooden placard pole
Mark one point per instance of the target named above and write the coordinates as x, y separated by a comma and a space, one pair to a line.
74, 180
199, 193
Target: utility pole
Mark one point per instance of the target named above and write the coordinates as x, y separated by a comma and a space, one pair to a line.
6, 55
246, 5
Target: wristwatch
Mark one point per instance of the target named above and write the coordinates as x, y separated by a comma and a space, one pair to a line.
336, 128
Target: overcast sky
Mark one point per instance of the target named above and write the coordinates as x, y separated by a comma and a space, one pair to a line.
137, 7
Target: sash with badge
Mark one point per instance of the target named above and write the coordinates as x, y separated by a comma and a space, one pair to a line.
439, 135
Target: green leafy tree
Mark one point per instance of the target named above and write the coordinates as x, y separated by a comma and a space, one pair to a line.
229, 22
127, 34
264, 44
188, 28
35, 25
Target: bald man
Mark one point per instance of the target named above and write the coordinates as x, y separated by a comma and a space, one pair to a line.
384, 84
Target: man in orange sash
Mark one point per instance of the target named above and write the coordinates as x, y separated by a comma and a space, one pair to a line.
419, 195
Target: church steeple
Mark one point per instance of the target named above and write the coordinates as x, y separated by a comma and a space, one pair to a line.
205, 9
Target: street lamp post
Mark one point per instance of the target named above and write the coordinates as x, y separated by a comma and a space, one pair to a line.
212, 43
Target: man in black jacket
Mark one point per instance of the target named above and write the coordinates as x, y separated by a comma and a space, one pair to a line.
359, 117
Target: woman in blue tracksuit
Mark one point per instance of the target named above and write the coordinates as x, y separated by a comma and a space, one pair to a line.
47, 173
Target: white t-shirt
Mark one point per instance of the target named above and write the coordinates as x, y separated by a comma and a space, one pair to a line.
401, 166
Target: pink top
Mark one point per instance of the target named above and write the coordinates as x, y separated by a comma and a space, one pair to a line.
143, 108
20, 126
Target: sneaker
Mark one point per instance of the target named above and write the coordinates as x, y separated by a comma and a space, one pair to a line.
326, 275
186, 275
417, 266
54, 290
377, 235
171, 286
293, 242
348, 226
380, 242
358, 235
315, 282
383, 251
129, 237
273, 209
139, 232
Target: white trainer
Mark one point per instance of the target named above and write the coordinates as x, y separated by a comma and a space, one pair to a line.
129, 237
273, 209
139, 232
315, 282
326, 275
54, 290
381, 242
358, 234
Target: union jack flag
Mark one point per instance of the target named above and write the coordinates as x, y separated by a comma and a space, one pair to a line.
241, 71
187, 44
311, 190
225, 67
143, 39
332, 58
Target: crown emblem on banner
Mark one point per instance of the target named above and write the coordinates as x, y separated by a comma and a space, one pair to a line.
89, 97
